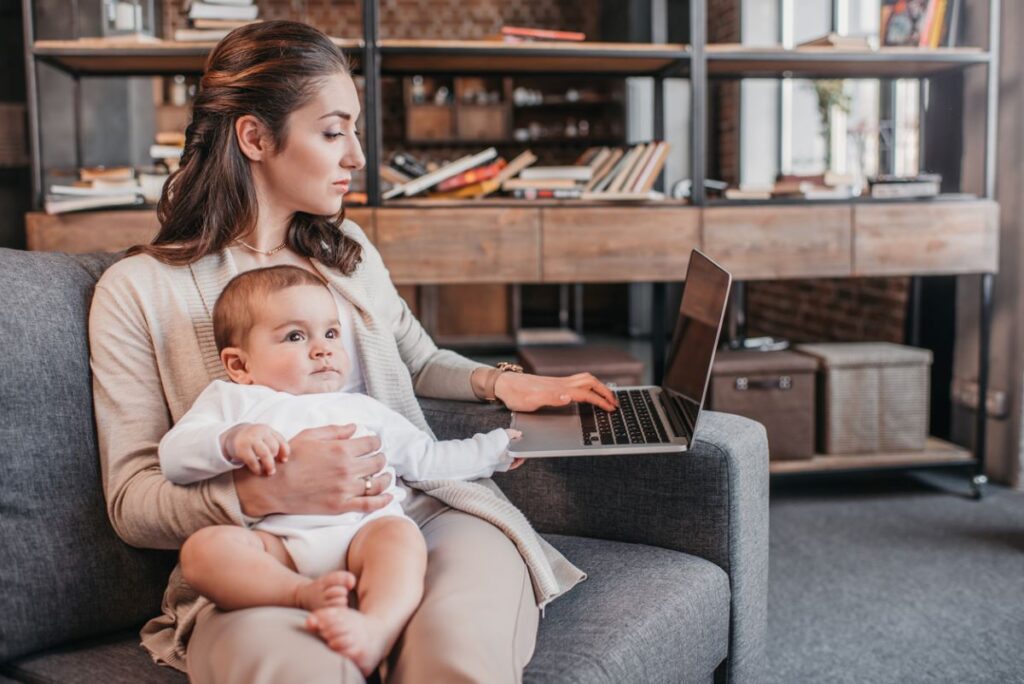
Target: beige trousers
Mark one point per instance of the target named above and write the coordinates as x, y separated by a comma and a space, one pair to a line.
477, 622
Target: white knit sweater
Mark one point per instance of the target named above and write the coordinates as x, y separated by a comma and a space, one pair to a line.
153, 353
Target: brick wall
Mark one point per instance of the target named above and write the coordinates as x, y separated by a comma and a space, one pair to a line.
849, 310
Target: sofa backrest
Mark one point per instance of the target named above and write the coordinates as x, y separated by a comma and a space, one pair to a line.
64, 573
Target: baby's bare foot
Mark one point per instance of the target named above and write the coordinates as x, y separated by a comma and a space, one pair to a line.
327, 590
360, 638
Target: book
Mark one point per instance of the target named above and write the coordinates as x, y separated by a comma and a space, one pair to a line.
77, 191
188, 35
638, 168
575, 173
56, 204
544, 193
650, 175
747, 193
474, 191
629, 161
541, 34
472, 176
390, 174
891, 187
205, 10
409, 165
89, 173
652, 195
840, 42
235, 3
516, 166
614, 156
538, 184
904, 22
613, 171
165, 151
221, 23
456, 167
171, 138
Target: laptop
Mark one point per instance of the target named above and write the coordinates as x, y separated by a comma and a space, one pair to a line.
649, 419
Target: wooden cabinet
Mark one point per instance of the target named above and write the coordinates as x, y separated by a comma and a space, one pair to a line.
618, 244
759, 243
465, 245
925, 238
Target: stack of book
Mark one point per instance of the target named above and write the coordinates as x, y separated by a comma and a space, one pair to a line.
601, 173
522, 34
211, 20
920, 23
96, 188
168, 149
906, 187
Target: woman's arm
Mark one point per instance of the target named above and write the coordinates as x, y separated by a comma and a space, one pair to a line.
145, 509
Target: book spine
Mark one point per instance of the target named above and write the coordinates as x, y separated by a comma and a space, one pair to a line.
533, 193
472, 176
542, 34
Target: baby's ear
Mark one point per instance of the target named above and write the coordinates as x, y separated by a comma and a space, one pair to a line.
234, 360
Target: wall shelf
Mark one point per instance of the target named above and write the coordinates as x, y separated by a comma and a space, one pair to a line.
489, 57
937, 453
738, 61
119, 57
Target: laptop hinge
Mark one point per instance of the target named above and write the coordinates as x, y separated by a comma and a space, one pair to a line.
677, 420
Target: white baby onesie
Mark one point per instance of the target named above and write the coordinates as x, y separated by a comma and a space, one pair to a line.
191, 452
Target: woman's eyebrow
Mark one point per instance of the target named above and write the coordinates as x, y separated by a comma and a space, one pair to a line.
337, 112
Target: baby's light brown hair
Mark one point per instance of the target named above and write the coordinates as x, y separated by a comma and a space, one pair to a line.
236, 309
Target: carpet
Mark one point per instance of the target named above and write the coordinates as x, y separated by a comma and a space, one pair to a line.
898, 578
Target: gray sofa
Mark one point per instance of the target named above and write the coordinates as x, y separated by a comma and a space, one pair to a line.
676, 546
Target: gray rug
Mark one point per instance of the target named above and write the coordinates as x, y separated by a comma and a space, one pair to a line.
899, 579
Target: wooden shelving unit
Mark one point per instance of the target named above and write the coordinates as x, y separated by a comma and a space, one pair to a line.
937, 453
738, 61
562, 241
119, 57
490, 57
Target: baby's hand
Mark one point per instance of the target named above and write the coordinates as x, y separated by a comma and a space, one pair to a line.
513, 435
256, 446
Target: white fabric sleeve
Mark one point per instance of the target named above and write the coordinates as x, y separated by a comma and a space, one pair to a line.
190, 451
415, 456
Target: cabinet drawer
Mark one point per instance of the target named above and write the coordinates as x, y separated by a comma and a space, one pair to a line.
926, 237
618, 244
757, 243
492, 245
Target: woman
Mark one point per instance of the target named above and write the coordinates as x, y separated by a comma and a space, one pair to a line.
268, 158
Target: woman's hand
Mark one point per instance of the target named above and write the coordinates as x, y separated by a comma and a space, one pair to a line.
524, 392
326, 474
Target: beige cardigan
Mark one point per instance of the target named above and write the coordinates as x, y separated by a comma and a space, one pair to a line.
153, 352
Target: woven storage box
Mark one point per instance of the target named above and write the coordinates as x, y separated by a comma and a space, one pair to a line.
872, 396
608, 364
774, 388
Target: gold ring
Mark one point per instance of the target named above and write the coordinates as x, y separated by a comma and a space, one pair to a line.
369, 481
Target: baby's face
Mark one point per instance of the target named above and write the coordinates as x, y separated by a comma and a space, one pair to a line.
295, 345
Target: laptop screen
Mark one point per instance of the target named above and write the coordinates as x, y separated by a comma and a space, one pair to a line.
695, 339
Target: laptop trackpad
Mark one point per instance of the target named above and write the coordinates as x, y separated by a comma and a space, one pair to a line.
548, 429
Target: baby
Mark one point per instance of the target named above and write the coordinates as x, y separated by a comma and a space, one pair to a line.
279, 338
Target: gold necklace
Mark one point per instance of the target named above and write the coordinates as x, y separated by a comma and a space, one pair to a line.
269, 252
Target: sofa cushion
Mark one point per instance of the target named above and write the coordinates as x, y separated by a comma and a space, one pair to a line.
644, 614
65, 574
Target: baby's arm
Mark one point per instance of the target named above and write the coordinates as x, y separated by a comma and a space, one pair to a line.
416, 456
208, 440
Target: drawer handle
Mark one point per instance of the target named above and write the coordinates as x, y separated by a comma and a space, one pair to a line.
783, 382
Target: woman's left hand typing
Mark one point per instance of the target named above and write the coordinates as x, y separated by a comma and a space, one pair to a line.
525, 392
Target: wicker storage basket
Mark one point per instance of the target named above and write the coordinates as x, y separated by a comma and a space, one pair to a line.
872, 397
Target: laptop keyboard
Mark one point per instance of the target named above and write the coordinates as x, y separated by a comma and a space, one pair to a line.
634, 422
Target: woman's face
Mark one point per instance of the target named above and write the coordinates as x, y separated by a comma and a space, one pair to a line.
312, 171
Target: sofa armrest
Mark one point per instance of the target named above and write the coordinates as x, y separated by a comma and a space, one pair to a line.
710, 502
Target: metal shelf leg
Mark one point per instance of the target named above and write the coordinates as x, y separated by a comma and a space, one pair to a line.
979, 480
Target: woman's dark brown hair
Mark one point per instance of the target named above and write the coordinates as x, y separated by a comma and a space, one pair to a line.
266, 70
